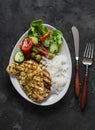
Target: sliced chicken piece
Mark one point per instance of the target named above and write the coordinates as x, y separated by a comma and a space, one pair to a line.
11, 69
46, 73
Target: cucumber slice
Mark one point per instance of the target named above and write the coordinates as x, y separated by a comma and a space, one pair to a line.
19, 57
46, 43
53, 48
34, 40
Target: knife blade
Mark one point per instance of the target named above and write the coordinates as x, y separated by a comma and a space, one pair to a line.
76, 41
75, 33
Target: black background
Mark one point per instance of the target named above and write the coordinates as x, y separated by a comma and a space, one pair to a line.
15, 112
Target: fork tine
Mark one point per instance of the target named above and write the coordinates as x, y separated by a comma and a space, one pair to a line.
92, 51
84, 55
86, 50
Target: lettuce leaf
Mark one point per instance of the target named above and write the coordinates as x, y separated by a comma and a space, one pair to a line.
37, 29
56, 37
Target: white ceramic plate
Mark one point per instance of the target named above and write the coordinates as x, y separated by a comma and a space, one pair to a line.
53, 98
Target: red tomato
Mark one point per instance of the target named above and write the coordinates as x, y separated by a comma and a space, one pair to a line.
42, 50
45, 36
26, 46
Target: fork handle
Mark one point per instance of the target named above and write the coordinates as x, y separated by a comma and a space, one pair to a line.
77, 80
83, 99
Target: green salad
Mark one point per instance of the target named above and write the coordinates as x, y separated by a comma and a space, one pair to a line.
39, 42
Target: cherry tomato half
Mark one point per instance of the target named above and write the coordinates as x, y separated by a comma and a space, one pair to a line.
44, 37
42, 50
26, 46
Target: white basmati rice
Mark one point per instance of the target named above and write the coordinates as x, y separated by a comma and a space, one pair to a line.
58, 69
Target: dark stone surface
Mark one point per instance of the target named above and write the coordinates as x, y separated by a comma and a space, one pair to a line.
15, 17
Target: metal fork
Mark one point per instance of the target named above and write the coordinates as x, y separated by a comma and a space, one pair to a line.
87, 60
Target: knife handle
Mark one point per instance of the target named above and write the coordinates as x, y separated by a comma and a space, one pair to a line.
83, 99
77, 81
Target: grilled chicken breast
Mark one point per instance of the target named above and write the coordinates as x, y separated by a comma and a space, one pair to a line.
33, 79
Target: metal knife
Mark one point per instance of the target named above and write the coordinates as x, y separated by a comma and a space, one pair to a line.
76, 45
